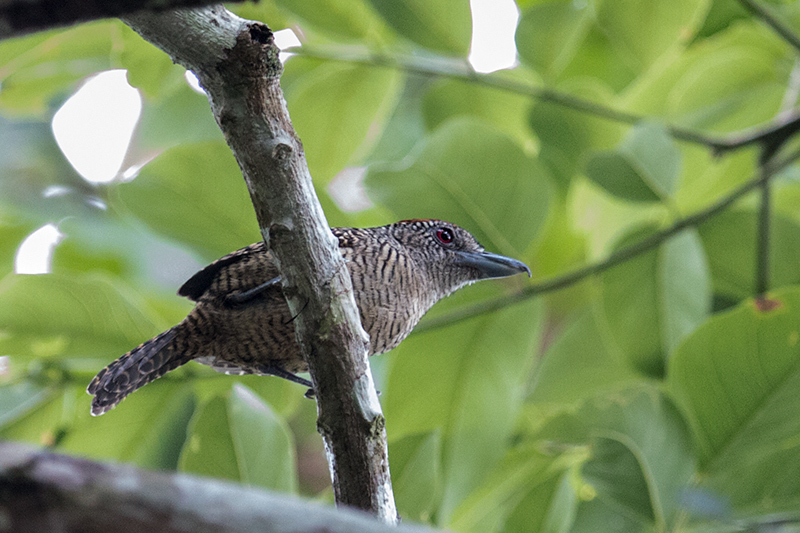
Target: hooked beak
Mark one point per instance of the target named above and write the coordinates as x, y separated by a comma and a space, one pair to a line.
492, 265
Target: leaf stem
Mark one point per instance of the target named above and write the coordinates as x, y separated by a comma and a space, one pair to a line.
766, 172
780, 28
763, 239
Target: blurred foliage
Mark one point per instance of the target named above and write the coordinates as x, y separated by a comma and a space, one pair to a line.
656, 396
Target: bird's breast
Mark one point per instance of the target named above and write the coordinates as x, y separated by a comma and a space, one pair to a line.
390, 295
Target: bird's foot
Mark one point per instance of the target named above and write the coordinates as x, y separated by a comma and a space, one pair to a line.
310, 394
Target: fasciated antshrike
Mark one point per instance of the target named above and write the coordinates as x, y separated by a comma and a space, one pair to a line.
242, 324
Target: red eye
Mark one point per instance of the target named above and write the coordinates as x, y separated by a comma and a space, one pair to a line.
444, 235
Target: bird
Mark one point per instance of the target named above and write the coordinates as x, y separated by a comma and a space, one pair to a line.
241, 322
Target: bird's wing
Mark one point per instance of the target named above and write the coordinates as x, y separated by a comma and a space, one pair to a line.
198, 284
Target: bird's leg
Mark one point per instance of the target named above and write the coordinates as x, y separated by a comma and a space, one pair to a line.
298, 313
281, 373
246, 296
310, 394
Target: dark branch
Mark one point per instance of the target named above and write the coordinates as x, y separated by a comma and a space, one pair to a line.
237, 63
18, 17
620, 256
42, 491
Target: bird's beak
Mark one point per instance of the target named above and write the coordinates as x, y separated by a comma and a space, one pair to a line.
492, 265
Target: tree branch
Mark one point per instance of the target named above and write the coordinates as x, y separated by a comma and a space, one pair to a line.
237, 63
766, 172
42, 491
18, 17
460, 70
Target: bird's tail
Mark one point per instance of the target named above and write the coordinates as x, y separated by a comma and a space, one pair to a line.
137, 368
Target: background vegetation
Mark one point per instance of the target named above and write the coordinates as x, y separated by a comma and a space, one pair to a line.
653, 396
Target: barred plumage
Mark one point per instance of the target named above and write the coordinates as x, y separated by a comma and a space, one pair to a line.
242, 324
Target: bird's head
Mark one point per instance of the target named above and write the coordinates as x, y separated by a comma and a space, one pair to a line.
451, 254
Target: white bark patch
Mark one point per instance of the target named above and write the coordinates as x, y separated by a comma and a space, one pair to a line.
367, 397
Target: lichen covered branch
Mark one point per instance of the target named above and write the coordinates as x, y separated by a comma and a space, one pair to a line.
237, 63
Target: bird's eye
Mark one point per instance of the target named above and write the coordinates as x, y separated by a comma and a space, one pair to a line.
444, 235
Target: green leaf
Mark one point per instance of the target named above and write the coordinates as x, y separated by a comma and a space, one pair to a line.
562, 40
441, 25
560, 248
238, 437
447, 179
550, 505
209, 447
652, 302
180, 117
527, 491
653, 431
417, 474
334, 106
619, 176
56, 316
729, 239
504, 110
149, 68
103, 242
720, 15
282, 396
12, 233
37, 68
40, 424
266, 11
16, 400
598, 515
615, 473
706, 178
685, 288
263, 442
582, 362
644, 30
652, 150
641, 452
565, 135
733, 80
471, 385
30, 163
347, 18
405, 126
736, 379
549, 34
195, 194
148, 428
645, 167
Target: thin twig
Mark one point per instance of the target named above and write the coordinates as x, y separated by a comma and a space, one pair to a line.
780, 28
460, 70
763, 239
766, 172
